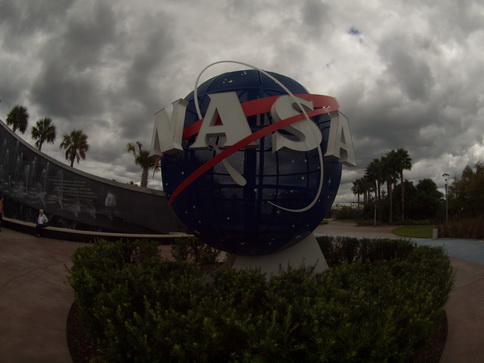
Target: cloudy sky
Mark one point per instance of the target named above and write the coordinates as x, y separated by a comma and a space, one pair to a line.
407, 73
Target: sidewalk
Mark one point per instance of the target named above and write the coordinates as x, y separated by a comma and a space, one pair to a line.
35, 297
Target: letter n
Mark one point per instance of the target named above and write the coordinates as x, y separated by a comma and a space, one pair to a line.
168, 133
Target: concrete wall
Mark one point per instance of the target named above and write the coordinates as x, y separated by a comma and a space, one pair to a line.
31, 180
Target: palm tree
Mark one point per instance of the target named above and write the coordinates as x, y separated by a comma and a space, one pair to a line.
359, 187
367, 188
390, 174
143, 159
374, 174
18, 117
75, 144
44, 130
402, 161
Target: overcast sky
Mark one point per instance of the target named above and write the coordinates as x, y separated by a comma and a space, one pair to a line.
408, 74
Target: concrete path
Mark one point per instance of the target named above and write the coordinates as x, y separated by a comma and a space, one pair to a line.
35, 297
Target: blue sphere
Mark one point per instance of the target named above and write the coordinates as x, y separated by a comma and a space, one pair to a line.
248, 219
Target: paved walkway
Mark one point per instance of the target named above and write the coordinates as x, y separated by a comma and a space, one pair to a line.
35, 297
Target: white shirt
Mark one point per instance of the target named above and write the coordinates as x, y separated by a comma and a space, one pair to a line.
41, 219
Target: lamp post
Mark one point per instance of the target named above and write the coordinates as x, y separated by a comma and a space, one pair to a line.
446, 176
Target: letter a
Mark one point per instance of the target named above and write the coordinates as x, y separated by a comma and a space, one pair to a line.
340, 143
233, 126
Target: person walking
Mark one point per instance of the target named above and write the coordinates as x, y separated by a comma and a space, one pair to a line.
41, 222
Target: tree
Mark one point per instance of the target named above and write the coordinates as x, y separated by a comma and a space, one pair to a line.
18, 118
426, 200
387, 170
143, 159
43, 131
390, 174
367, 187
410, 191
402, 161
476, 189
374, 174
466, 197
362, 186
75, 144
358, 189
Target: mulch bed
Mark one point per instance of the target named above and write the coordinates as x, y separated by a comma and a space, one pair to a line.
80, 344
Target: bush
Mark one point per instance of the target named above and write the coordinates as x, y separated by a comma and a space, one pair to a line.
193, 249
380, 303
341, 250
472, 228
111, 279
347, 212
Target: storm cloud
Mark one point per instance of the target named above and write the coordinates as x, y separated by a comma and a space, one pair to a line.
406, 74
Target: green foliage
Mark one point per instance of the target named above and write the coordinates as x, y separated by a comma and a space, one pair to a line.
18, 118
344, 250
76, 146
418, 222
193, 249
111, 281
466, 205
401, 199
472, 228
466, 198
425, 201
415, 230
143, 159
43, 131
347, 212
380, 307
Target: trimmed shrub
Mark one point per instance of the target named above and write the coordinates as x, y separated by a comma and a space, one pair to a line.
341, 250
193, 249
377, 305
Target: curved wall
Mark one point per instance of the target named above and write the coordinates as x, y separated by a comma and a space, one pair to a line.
31, 180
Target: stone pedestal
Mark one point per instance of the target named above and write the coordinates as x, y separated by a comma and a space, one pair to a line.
307, 253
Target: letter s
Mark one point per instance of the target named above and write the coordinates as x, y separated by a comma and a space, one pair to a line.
306, 131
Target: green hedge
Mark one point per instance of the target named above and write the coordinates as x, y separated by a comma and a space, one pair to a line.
193, 249
381, 307
469, 228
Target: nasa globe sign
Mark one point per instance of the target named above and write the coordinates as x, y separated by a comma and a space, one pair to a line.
251, 160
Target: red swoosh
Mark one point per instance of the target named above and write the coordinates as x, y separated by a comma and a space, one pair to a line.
263, 105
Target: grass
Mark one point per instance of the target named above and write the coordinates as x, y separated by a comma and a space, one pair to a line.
415, 231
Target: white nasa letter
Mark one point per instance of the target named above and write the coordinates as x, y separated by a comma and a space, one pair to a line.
305, 130
234, 125
340, 143
167, 134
